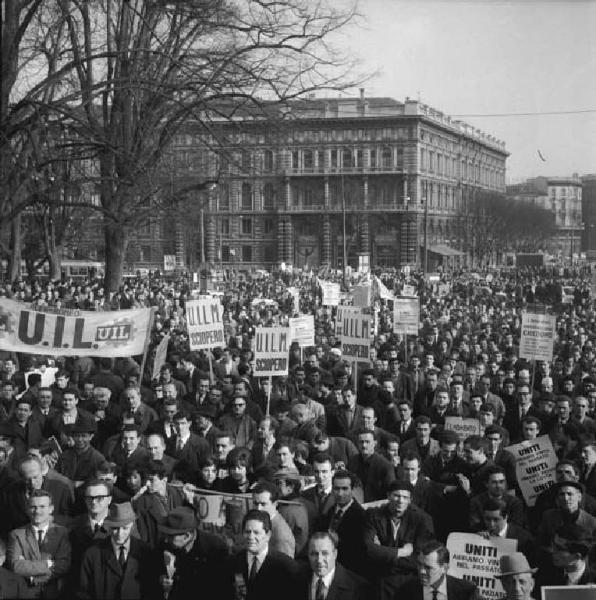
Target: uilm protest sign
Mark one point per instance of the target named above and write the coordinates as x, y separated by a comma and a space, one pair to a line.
204, 319
537, 336
355, 334
272, 351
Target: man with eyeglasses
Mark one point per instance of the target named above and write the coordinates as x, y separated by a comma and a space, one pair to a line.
513, 418
242, 424
187, 448
87, 528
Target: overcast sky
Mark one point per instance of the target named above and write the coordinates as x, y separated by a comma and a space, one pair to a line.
487, 57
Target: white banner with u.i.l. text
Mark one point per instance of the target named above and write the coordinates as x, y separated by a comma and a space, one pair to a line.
71, 332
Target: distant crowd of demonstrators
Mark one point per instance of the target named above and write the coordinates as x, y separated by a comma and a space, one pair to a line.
339, 480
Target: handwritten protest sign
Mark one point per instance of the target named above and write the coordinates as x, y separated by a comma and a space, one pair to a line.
71, 332
303, 330
537, 336
406, 316
535, 463
355, 334
476, 559
272, 348
204, 318
331, 293
463, 427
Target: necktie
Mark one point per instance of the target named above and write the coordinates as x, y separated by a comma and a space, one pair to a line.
320, 590
96, 528
122, 558
179, 444
403, 427
336, 520
39, 537
435, 593
253, 569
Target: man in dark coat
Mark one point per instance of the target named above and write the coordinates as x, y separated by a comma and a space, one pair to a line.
432, 566
119, 566
14, 505
393, 535
80, 462
348, 519
258, 573
374, 471
25, 430
193, 559
326, 577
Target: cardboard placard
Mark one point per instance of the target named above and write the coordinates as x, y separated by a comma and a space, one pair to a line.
204, 319
535, 463
272, 350
477, 559
537, 336
355, 334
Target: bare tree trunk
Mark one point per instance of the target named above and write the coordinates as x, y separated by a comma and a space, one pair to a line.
16, 244
55, 260
116, 241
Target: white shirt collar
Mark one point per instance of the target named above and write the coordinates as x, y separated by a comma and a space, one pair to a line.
260, 558
43, 529
427, 591
116, 547
327, 579
573, 578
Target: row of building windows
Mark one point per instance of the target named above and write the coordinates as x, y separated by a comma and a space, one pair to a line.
299, 135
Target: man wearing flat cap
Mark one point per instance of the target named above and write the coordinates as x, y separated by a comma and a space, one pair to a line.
516, 576
568, 496
120, 566
80, 462
192, 559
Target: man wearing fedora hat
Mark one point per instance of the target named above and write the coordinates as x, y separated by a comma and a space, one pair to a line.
203, 418
119, 566
193, 559
516, 576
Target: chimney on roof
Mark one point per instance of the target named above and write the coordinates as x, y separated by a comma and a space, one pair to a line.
361, 93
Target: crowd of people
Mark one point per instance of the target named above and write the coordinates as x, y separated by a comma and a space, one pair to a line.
337, 480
